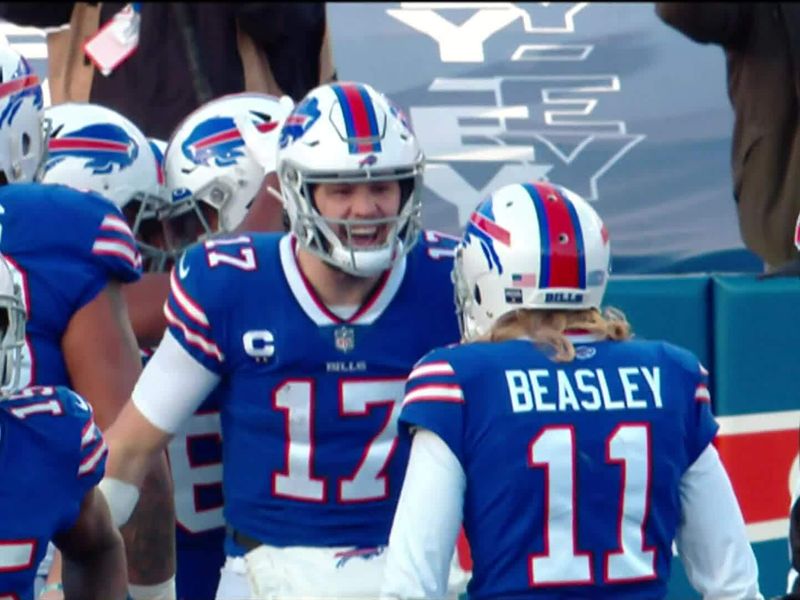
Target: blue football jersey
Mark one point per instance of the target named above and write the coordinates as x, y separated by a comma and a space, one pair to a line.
51, 455
63, 246
195, 459
573, 469
309, 401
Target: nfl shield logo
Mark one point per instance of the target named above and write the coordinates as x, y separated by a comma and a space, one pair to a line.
344, 339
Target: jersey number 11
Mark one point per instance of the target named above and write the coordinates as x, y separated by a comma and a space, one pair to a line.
561, 563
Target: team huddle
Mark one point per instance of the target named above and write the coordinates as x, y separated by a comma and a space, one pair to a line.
321, 410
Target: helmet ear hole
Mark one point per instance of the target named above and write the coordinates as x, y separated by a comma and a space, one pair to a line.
26, 144
476, 293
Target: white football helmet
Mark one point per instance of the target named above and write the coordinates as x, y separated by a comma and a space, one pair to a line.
216, 161
92, 147
533, 245
21, 106
12, 329
348, 132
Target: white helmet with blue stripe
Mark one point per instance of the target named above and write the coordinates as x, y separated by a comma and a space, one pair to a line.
533, 245
349, 133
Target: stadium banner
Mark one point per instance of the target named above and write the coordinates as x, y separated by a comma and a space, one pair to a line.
603, 98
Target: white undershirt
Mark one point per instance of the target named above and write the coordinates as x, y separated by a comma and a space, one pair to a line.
343, 311
172, 386
711, 538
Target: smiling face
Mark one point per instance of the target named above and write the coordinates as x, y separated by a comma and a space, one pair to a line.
368, 201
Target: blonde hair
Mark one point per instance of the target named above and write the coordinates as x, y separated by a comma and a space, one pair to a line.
547, 327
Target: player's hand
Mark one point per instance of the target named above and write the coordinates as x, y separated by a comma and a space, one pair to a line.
52, 591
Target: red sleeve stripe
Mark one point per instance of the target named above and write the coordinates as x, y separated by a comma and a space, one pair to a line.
112, 223
187, 305
702, 394
431, 369
118, 248
90, 462
435, 393
192, 337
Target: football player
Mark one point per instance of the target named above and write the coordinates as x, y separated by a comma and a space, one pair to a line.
214, 166
70, 252
575, 454
215, 163
94, 148
307, 337
52, 456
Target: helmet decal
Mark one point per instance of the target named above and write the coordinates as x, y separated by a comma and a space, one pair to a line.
360, 122
563, 262
300, 120
103, 145
481, 225
219, 139
23, 84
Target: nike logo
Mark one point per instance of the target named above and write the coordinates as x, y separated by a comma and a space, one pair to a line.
183, 270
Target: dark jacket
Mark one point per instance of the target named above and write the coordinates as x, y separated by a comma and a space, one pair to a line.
762, 46
157, 86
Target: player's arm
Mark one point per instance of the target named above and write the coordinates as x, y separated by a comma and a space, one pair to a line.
103, 362
711, 538
171, 388
101, 354
145, 300
93, 554
423, 536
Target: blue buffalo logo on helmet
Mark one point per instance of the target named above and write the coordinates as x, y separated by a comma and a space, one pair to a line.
400, 115
482, 226
299, 121
23, 84
159, 161
219, 140
103, 145
368, 161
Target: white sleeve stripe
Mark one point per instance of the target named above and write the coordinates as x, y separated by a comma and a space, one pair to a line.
90, 462
702, 394
188, 306
85, 432
117, 248
90, 433
192, 337
112, 223
431, 369
440, 392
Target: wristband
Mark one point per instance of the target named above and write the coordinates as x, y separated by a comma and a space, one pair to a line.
159, 591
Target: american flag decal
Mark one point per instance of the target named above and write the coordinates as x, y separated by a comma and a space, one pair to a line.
524, 280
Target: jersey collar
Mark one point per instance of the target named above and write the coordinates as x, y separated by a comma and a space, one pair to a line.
315, 309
